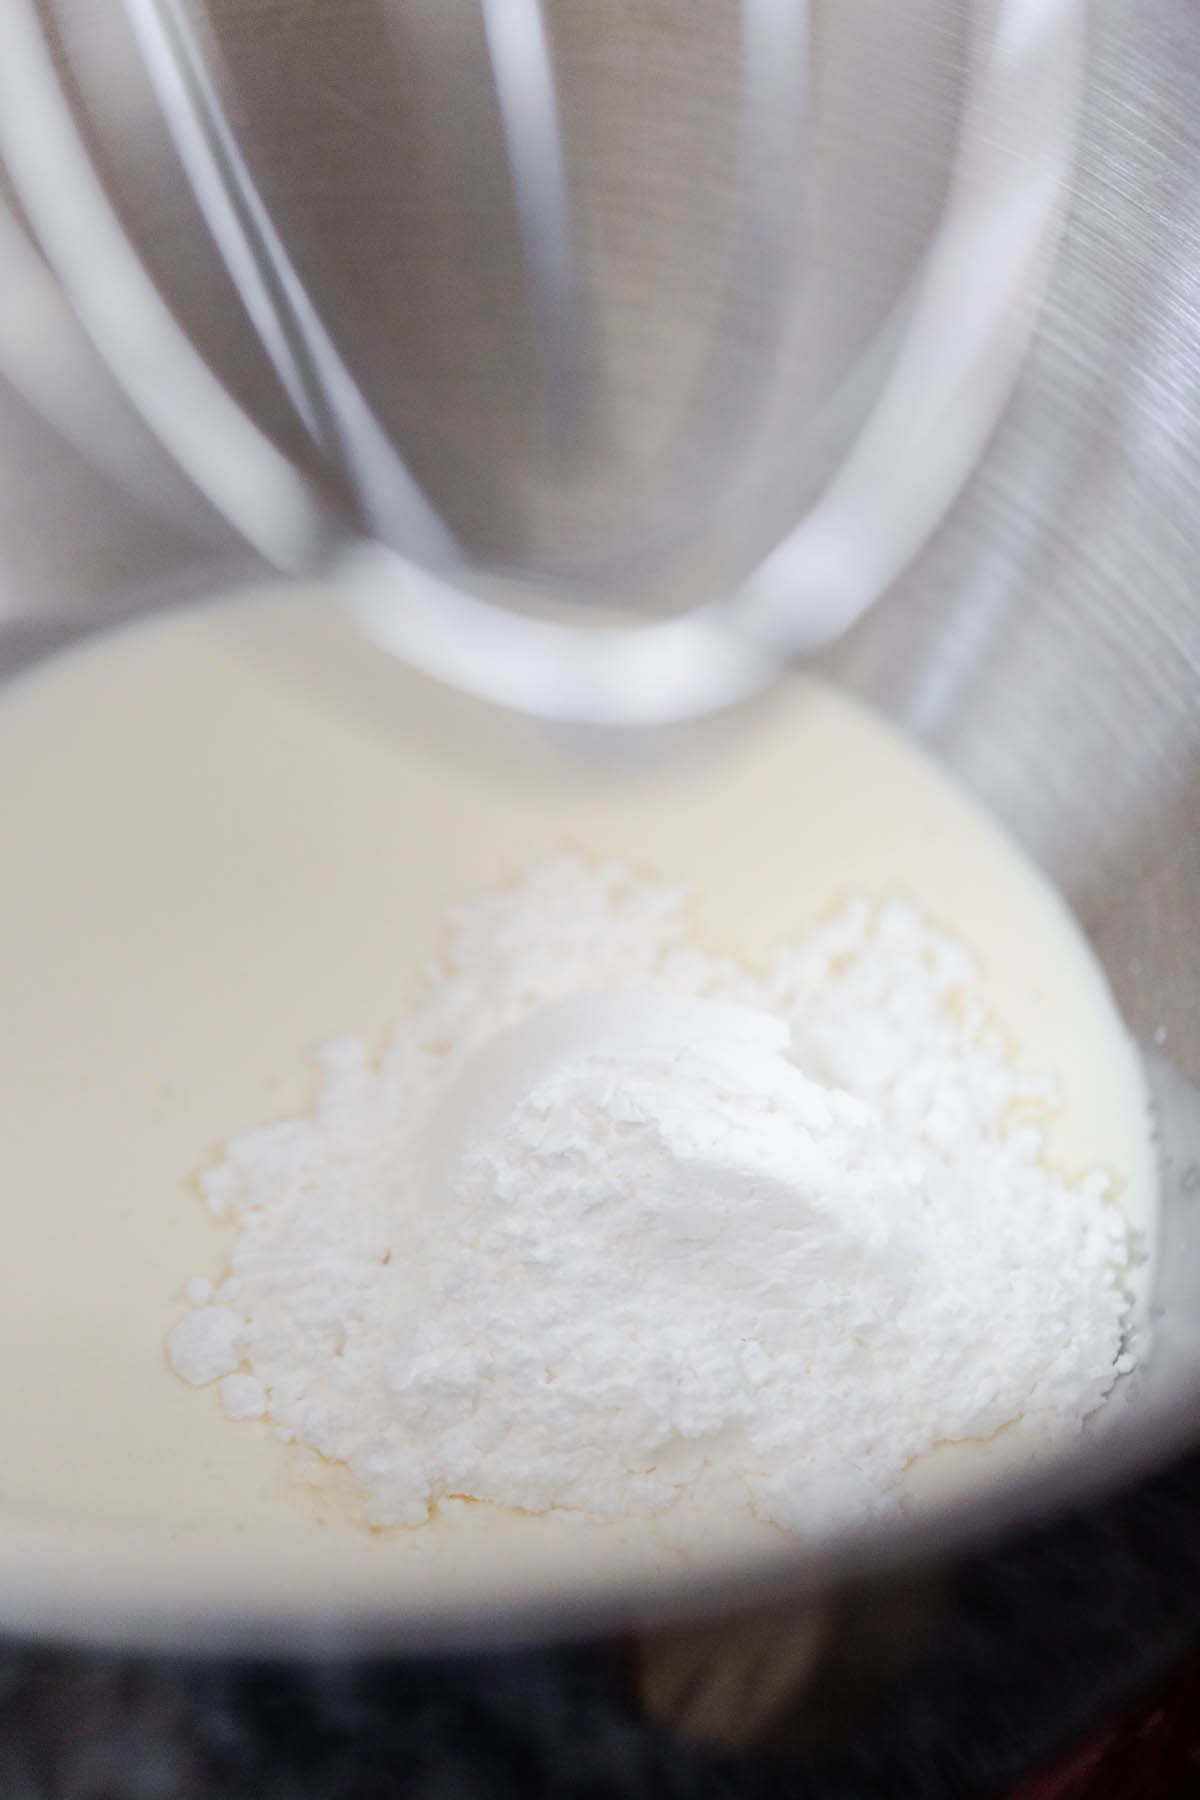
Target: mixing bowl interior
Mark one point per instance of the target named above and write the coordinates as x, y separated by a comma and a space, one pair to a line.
1046, 648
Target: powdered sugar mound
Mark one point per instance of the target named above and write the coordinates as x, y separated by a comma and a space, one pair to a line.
208, 1343
765, 1258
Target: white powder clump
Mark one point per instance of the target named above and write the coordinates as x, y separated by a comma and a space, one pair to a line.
243, 1397
690, 1238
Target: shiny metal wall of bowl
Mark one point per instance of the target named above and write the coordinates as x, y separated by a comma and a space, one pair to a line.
652, 306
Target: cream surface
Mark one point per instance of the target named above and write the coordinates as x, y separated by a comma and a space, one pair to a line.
230, 834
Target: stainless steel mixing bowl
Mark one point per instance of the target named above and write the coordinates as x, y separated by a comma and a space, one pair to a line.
1046, 645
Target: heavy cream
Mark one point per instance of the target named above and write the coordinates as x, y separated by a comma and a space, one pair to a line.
234, 831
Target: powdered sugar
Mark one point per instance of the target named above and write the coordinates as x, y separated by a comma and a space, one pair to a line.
761, 1253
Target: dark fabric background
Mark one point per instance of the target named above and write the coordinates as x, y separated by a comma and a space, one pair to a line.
1037, 1644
